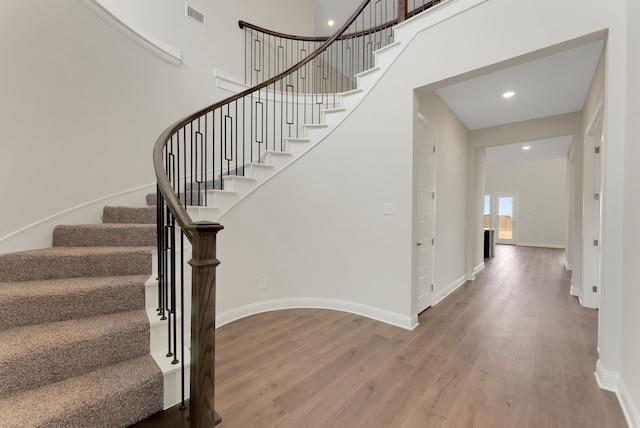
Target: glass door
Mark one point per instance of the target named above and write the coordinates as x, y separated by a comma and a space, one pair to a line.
505, 217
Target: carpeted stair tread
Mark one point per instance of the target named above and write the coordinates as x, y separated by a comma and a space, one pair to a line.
111, 234
71, 262
143, 215
35, 302
114, 396
36, 355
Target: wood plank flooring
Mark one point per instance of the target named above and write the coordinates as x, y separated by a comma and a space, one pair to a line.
510, 349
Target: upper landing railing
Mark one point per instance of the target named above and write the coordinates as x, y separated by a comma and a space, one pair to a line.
293, 83
268, 53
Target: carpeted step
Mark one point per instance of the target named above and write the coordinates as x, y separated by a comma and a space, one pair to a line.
73, 262
152, 199
144, 215
36, 302
114, 396
36, 355
111, 235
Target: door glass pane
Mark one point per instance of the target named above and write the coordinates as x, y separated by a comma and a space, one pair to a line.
505, 217
487, 211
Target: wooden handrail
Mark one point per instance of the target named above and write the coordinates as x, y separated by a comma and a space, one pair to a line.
202, 236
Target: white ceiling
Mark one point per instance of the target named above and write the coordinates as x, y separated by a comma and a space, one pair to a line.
548, 148
548, 86
336, 10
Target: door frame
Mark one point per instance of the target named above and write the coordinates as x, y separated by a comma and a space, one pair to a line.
591, 215
422, 121
514, 219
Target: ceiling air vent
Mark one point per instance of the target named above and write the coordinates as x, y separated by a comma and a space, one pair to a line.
196, 15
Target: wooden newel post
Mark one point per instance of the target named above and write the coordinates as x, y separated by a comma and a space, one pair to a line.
402, 10
203, 324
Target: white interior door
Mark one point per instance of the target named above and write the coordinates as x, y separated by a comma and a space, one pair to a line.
425, 202
504, 217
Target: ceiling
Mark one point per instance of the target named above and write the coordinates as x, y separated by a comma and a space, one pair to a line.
550, 85
547, 86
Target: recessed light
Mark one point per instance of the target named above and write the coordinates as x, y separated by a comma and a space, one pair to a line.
526, 147
331, 23
508, 94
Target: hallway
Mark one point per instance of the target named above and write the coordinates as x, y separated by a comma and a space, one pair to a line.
510, 349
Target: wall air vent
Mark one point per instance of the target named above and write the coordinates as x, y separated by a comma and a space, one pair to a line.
196, 15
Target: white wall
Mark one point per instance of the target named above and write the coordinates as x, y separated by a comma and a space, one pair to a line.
631, 290
221, 42
82, 106
320, 222
452, 173
542, 199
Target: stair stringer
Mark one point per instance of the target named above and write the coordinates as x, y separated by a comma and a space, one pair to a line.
314, 135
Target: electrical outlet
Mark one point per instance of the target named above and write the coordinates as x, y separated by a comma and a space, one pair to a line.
389, 209
263, 284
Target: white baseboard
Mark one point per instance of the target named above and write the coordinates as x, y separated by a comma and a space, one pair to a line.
39, 234
574, 290
450, 289
629, 408
541, 245
398, 320
612, 381
567, 265
476, 270
607, 379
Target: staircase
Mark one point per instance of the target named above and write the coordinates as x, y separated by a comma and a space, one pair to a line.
74, 332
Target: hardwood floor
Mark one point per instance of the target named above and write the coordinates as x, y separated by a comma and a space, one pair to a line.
510, 349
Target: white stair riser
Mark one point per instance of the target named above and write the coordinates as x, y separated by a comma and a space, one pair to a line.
240, 185
386, 55
278, 160
367, 78
297, 147
352, 99
332, 118
204, 213
172, 374
260, 172
315, 132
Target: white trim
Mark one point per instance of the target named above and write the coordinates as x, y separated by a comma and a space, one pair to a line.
377, 314
612, 381
574, 290
433, 16
451, 288
629, 409
49, 222
541, 245
607, 379
476, 270
567, 265
228, 81
160, 49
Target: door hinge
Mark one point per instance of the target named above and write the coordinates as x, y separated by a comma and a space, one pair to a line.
594, 288
596, 196
595, 242
431, 287
433, 241
434, 149
433, 195
597, 149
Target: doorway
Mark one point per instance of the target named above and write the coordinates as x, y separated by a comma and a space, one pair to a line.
503, 217
424, 203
